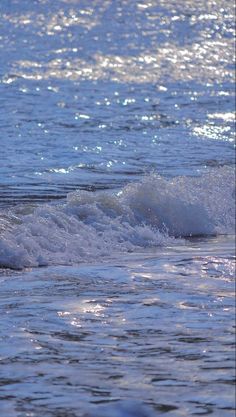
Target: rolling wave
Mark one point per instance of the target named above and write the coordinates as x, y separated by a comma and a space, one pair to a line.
94, 225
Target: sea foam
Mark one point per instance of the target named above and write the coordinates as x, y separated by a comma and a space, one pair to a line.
94, 225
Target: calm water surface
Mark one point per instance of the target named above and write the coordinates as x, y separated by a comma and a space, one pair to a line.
117, 208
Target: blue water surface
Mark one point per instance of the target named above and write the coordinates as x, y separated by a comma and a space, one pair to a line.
95, 95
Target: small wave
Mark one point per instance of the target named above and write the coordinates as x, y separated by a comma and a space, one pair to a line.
125, 409
91, 226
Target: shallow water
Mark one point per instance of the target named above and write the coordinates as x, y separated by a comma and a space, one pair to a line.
117, 211
156, 327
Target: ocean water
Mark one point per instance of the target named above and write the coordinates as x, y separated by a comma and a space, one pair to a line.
117, 208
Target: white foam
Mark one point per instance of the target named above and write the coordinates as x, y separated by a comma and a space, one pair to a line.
90, 226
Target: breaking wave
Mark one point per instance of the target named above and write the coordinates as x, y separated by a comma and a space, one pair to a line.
90, 226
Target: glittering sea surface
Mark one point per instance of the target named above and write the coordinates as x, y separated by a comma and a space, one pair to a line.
117, 208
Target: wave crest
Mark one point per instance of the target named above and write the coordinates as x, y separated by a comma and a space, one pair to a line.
94, 225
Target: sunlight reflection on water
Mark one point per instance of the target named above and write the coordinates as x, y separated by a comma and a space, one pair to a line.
95, 95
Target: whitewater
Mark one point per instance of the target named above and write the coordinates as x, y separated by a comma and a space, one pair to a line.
95, 225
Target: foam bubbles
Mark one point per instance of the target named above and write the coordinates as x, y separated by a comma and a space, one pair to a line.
91, 226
